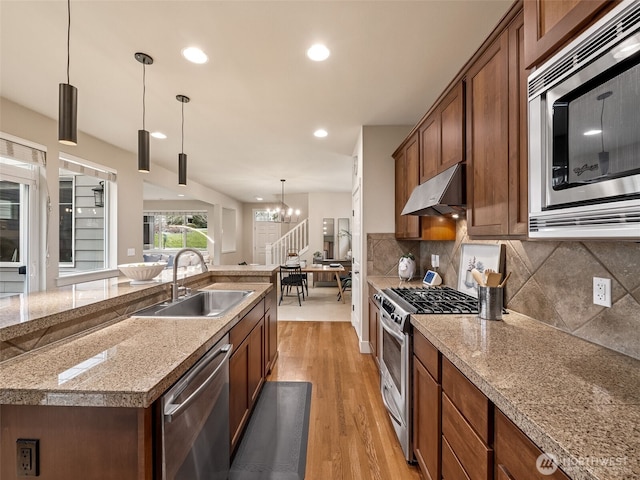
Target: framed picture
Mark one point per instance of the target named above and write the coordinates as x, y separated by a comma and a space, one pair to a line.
481, 257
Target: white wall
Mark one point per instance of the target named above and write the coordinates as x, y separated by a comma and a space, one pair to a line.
25, 123
376, 170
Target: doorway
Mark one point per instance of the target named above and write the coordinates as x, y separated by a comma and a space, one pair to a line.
264, 231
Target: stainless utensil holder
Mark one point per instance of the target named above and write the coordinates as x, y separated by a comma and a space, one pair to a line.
490, 301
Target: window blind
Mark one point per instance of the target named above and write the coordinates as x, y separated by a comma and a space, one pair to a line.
83, 169
23, 153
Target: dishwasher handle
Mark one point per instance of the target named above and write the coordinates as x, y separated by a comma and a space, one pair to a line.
171, 409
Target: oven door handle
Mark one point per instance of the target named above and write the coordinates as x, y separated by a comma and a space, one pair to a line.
387, 326
172, 410
387, 404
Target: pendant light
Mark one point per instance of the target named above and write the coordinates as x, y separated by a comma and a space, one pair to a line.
283, 213
182, 157
68, 100
143, 135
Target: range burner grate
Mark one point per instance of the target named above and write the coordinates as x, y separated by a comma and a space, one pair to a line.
439, 300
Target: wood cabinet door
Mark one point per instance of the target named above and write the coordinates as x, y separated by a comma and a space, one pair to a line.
373, 329
238, 391
488, 141
518, 132
412, 179
516, 454
256, 362
426, 421
452, 128
401, 220
550, 24
429, 133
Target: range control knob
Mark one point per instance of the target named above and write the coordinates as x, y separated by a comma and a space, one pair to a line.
396, 317
377, 297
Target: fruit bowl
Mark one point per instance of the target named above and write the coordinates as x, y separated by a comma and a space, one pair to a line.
142, 272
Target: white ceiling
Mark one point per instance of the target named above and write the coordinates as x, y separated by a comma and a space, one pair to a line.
255, 104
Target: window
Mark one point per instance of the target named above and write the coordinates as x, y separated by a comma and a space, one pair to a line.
83, 222
12, 195
175, 230
20, 251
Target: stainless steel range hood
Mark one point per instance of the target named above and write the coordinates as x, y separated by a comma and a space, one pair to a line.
441, 195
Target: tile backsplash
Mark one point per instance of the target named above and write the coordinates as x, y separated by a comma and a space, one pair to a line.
550, 281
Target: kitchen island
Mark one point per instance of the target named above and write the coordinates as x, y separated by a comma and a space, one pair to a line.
574, 399
94, 391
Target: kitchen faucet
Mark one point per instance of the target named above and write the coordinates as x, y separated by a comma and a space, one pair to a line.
175, 290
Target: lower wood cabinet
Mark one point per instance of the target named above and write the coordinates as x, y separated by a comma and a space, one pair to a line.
458, 434
516, 455
374, 322
271, 330
246, 370
426, 420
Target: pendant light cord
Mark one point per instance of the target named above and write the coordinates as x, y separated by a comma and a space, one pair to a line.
182, 144
68, 37
144, 92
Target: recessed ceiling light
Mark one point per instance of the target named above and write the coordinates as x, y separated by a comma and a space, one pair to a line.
318, 52
159, 135
259, 199
320, 133
181, 194
195, 55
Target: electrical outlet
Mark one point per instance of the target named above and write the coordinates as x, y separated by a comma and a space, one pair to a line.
131, 252
435, 260
27, 458
602, 291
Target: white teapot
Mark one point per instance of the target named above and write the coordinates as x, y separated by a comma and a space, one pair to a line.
406, 268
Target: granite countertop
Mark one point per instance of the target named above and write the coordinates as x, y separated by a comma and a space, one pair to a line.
574, 399
127, 364
26, 313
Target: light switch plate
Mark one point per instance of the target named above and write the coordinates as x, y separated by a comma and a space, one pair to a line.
131, 252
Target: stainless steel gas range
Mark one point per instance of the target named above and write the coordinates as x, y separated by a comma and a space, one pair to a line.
396, 307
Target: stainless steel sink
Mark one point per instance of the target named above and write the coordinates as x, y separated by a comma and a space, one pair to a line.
204, 303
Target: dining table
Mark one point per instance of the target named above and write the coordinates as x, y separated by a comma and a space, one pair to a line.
337, 270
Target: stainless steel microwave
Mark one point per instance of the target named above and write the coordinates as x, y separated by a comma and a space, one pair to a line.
584, 134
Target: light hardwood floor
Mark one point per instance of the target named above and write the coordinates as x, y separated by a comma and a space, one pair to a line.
350, 434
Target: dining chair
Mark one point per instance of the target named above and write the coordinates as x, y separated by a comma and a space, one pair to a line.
345, 282
291, 276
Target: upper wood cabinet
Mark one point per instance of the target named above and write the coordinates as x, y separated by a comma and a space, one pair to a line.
442, 135
550, 24
407, 226
497, 137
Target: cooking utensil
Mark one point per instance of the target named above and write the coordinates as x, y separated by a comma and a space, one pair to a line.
493, 279
505, 280
477, 276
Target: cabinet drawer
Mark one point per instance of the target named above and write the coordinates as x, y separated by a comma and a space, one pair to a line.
474, 455
244, 326
451, 468
516, 453
427, 354
470, 401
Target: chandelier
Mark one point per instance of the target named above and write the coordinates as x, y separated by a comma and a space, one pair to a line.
283, 213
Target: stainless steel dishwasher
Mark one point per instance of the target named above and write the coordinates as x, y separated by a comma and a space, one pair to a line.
194, 424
